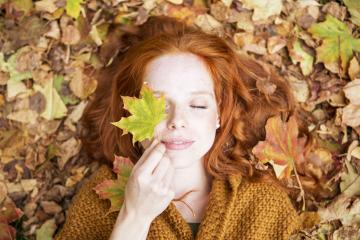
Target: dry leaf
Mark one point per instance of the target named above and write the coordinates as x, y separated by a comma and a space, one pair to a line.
263, 9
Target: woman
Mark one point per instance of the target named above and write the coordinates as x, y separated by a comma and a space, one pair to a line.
200, 153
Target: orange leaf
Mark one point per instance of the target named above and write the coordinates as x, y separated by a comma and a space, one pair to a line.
282, 147
114, 190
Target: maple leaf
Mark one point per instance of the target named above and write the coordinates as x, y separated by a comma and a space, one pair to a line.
337, 41
8, 213
146, 112
114, 190
282, 147
353, 7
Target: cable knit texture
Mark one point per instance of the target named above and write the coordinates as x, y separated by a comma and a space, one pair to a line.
236, 209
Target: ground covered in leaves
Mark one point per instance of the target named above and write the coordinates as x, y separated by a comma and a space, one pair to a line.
50, 48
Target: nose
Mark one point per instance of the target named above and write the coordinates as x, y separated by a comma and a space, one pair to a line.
176, 118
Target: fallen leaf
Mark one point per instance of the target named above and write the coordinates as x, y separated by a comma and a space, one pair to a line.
300, 88
175, 1
342, 208
353, 7
275, 43
8, 213
28, 184
207, 23
354, 69
263, 9
350, 181
337, 42
114, 190
47, 230
351, 115
352, 90
73, 8
50, 207
24, 116
70, 35
77, 175
67, 150
46, 6
299, 55
81, 84
55, 108
282, 147
146, 112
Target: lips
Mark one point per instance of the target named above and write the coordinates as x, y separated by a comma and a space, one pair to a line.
177, 143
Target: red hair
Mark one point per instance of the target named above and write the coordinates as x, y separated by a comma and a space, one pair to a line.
244, 108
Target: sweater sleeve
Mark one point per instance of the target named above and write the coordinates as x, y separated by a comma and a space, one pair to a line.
85, 218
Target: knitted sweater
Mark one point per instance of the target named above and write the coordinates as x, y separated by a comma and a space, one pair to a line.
236, 209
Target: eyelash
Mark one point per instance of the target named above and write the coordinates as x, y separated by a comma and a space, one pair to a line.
199, 107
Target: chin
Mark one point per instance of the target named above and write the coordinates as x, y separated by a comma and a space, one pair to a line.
182, 161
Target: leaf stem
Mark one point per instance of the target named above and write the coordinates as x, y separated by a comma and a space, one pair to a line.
302, 192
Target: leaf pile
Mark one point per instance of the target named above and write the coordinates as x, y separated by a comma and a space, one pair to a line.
50, 49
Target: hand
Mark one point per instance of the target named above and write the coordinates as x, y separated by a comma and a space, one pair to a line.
148, 191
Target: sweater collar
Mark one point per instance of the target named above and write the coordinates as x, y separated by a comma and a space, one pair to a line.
213, 225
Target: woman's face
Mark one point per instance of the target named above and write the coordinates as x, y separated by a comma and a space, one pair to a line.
190, 105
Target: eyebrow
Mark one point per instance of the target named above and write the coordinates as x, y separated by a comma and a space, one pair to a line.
192, 93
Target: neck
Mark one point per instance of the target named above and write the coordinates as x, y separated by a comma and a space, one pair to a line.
193, 177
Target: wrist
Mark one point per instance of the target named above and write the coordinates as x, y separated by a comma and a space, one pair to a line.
131, 217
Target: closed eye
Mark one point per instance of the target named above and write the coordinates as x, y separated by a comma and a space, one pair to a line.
202, 107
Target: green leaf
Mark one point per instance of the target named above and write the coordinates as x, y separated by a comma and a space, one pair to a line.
114, 190
282, 147
55, 108
73, 8
298, 55
146, 112
353, 7
58, 85
338, 43
46, 231
10, 67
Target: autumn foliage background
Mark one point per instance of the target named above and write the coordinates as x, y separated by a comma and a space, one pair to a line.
49, 50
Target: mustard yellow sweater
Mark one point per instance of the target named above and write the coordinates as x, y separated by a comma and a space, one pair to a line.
237, 209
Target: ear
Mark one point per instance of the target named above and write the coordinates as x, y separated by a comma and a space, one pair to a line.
217, 123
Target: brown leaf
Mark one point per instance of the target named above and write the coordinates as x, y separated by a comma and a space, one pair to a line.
50, 207
352, 90
354, 69
351, 115
70, 35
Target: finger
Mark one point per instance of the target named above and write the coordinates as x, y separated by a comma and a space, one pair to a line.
153, 159
161, 169
146, 152
169, 177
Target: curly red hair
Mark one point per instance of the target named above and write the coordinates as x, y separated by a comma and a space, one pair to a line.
244, 108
